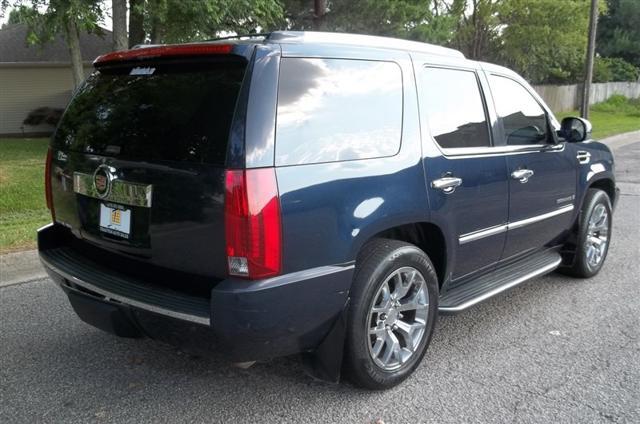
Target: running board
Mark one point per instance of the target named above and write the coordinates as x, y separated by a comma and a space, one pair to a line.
489, 285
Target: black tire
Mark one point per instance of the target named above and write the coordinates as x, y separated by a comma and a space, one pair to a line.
379, 259
581, 267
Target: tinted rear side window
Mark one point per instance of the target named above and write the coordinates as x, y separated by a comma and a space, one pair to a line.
337, 109
454, 108
161, 112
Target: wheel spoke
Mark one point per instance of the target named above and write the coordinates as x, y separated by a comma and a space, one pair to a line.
404, 286
377, 346
385, 303
596, 241
408, 332
393, 347
377, 331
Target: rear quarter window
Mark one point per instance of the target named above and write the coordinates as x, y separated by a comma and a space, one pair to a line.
337, 109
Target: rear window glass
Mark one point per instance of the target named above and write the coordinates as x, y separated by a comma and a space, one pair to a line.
179, 112
337, 109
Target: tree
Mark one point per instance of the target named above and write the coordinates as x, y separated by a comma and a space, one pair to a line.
136, 22
171, 21
545, 40
47, 19
119, 17
414, 19
619, 31
477, 27
20, 15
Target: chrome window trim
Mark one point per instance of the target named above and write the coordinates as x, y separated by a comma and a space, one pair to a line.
467, 152
491, 231
122, 192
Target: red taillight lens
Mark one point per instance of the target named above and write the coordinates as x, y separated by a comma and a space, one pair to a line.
47, 184
252, 223
160, 51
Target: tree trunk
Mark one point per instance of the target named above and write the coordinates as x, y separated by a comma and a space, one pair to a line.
319, 12
120, 41
73, 42
136, 22
158, 14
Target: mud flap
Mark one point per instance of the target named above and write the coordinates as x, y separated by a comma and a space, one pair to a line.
325, 362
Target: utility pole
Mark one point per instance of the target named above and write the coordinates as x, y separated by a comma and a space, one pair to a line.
319, 10
591, 52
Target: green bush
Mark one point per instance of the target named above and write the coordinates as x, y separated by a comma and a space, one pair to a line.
607, 69
619, 104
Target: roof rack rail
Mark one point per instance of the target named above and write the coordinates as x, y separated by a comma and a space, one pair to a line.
241, 36
360, 40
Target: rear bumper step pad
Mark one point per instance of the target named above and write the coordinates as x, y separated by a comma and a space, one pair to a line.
113, 286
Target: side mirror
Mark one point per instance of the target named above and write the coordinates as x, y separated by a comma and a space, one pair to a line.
575, 130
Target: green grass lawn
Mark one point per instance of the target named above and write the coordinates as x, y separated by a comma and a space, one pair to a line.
22, 204
615, 116
607, 123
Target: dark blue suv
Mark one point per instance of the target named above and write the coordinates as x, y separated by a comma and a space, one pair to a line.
321, 194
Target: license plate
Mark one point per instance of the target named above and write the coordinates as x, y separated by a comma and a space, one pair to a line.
115, 220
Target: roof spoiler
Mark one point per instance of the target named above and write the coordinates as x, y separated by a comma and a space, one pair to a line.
156, 51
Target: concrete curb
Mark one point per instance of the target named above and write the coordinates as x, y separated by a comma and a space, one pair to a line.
21, 267
620, 140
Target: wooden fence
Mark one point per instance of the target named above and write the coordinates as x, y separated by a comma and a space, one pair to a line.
567, 97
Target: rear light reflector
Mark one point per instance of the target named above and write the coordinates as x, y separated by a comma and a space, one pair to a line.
253, 228
161, 51
47, 184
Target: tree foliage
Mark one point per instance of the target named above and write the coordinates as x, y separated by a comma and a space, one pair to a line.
545, 40
619, 31
48, 18
171, 21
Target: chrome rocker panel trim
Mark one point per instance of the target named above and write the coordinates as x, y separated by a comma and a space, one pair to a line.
491, 231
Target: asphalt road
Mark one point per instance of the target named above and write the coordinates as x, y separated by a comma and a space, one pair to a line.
553, 350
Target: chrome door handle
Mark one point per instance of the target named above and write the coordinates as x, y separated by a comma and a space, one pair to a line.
446, 184
522, 175
583, 157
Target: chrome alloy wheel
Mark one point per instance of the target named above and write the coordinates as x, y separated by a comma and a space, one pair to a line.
398, 318
597, 236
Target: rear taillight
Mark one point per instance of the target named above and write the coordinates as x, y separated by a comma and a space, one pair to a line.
252, 223
47, 185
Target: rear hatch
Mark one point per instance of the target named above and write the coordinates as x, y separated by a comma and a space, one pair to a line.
138, 160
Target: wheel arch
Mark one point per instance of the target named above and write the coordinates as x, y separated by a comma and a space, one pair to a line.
605, 184
426, 236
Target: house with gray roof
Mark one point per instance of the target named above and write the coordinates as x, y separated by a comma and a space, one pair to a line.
38, 76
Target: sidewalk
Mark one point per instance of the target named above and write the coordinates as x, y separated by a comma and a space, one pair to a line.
21, 267
620, 140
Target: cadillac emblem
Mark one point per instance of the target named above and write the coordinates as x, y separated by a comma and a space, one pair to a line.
102, 178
